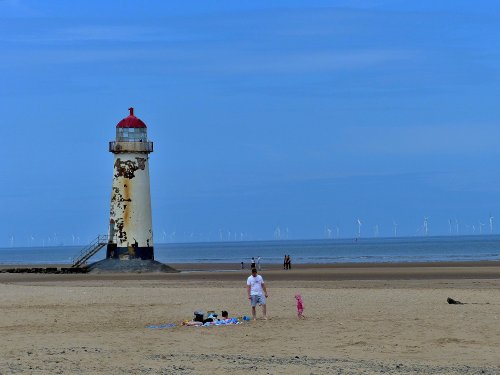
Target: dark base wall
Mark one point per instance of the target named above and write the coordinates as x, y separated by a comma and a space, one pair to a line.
131, 252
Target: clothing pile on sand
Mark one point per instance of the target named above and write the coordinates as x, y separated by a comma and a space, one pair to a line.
212, 319
199, 320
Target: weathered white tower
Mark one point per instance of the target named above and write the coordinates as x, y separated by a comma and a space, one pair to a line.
130, 223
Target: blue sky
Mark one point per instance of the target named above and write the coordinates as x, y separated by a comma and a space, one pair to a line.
297, 114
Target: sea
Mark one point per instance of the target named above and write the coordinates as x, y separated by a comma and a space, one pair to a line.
361, 250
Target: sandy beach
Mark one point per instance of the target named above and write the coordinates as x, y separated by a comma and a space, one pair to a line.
365, 318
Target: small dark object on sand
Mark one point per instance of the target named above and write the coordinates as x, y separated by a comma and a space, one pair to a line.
451, 301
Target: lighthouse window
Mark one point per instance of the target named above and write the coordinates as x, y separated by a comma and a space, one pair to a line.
131, 135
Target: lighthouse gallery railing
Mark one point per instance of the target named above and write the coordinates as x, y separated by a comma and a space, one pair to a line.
117, 146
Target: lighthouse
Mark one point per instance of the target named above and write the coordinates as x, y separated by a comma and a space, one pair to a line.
130, 223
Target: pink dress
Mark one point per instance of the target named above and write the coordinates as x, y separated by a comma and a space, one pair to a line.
300, 306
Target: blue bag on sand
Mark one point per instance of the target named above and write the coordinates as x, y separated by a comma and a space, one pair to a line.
246, 318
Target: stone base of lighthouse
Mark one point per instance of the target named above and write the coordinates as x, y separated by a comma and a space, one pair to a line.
129, 266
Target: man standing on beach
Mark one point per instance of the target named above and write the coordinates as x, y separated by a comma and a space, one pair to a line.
257, 293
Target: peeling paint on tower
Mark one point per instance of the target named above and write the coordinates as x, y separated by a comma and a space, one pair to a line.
128, 168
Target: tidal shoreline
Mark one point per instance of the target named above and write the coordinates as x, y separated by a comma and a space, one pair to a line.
301, 272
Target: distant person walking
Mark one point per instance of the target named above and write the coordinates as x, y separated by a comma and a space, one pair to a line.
257, 293
252, 263
287, 263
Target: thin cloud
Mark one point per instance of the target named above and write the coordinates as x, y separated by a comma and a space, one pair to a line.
16, 8
100, 33
319, 61
447, 139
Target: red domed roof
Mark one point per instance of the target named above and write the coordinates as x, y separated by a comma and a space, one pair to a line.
131, 121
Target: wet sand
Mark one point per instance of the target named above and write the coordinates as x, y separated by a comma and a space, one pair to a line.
364, 318
300, 272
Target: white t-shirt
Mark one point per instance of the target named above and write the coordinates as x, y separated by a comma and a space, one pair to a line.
255, 285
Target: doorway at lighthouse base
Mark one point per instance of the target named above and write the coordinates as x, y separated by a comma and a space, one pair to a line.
129, 252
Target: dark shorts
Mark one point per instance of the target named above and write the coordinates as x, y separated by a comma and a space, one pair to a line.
257, 299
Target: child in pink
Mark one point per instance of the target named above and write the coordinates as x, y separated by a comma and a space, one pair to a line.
300, 306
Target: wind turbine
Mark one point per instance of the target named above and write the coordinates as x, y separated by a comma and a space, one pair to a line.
426, 226
491, 224
328, 232
338, 230
456, 223
11, 240
449, 222
395, 228
481, 225
375, 230
286, 233
360, 224
277, 233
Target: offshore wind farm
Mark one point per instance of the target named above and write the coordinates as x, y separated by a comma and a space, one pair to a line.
347, 231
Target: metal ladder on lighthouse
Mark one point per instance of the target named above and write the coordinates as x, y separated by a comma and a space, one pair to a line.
90, 250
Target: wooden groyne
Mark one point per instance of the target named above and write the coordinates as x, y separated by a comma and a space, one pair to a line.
52, 270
